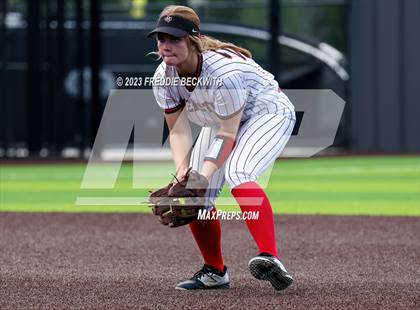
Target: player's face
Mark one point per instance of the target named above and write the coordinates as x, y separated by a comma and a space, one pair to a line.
174, 51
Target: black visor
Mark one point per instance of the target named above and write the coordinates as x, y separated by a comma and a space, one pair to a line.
176, 26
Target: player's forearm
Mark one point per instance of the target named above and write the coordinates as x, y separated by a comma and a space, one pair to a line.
208, 169
218, 154
181, 143
180, 140
221, 146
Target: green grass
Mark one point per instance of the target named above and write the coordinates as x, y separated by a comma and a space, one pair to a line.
387, 185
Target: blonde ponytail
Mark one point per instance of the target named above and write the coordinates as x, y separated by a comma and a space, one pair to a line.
207, 43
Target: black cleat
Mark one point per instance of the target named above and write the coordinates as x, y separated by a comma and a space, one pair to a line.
268, 267
206, 278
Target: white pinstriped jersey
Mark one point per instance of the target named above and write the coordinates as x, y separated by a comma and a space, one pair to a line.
242, 83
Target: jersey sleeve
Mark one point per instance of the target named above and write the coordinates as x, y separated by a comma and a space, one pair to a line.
230, 96
163, 94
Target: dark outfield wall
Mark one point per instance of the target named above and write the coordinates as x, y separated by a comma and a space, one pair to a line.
385, 73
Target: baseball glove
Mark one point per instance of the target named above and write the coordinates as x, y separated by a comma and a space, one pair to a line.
183, 201
157, 197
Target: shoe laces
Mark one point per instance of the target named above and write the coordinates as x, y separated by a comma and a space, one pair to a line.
201, 272
204, 271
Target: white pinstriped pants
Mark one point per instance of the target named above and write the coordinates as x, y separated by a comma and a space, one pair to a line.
260, 140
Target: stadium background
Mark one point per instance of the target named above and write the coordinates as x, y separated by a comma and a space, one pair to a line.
60, 253
347, 46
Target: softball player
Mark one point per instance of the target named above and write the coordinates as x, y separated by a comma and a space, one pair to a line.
246, 122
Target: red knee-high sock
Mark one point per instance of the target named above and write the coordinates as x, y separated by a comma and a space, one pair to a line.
208, 235
251, 197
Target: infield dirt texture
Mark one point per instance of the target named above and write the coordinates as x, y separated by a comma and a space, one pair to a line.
55, 254
130, 261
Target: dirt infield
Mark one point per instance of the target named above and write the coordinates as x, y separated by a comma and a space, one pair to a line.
130, 260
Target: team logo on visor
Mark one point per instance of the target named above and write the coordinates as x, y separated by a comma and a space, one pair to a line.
168, 19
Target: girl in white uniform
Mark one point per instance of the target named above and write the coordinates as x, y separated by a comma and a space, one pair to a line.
246, 122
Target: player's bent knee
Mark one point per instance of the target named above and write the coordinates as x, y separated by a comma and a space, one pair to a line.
236, 178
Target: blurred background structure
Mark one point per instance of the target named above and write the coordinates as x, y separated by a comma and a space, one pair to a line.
60, 58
